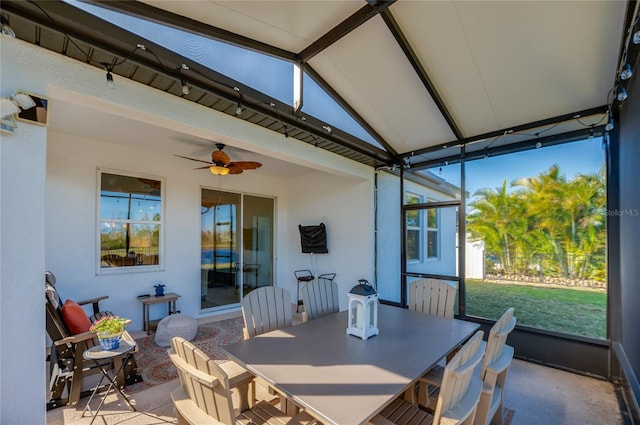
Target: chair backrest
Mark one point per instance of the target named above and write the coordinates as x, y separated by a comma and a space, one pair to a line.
432, 296
265, 309
460, 388
320, 298
203, 380
56, 328
497, 339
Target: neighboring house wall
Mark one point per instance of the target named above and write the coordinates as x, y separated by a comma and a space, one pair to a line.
336, 191
474, 259
389, 230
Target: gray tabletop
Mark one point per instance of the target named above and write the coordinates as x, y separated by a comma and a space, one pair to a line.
342, 379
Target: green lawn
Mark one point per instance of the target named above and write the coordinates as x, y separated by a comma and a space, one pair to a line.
572, 311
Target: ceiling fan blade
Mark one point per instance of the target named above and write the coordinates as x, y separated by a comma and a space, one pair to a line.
245, 165
194, 159
206, 167
235, 170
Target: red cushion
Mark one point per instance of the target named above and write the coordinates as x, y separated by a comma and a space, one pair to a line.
75, 318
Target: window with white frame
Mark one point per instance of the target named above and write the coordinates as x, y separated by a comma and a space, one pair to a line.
421, 223
432, 233
414, 228
130, 221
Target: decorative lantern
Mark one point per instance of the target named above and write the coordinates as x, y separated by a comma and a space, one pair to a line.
363, 310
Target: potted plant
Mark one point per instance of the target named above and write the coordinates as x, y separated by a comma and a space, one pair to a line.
109, 331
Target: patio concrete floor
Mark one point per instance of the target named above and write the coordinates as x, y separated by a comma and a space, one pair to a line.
537, 395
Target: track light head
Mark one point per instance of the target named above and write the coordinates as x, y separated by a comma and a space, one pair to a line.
239, 109
185, 87
626, 72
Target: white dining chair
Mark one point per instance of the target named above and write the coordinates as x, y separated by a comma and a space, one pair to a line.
319, 298
266, 309
458, 397
432, 296
204, 396
495, 368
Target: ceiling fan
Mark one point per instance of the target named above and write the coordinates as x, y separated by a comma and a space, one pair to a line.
221, 164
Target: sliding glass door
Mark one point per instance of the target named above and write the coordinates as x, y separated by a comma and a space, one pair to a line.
236, 246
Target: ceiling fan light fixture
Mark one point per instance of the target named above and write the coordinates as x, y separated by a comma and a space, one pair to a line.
219, 170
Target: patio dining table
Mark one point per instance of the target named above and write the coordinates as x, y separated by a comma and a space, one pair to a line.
344, 380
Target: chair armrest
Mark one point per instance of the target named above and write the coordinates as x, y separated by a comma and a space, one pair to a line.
502, 362
94, 301
74, 339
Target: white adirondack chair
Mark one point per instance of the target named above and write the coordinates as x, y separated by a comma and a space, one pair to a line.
319, 298
495, 368
458, 397
432, 296
493, 373
266, 309
205, 394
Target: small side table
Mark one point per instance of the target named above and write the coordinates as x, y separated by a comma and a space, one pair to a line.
169, 298
99, 357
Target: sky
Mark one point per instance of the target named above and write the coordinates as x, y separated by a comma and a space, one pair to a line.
274, 78
582, 157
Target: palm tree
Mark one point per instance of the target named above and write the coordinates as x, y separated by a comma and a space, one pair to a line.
493, 219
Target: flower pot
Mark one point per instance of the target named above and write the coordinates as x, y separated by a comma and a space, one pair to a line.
110, 342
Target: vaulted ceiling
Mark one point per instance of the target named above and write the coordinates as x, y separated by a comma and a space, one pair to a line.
423, 77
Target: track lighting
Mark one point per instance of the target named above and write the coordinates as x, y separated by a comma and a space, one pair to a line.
591, 133
636, 37
326, 128
622, 94
626, 72
538, 145
239, 109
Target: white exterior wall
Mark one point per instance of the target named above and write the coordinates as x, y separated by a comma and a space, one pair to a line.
22, 258
62, 236
345, 207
